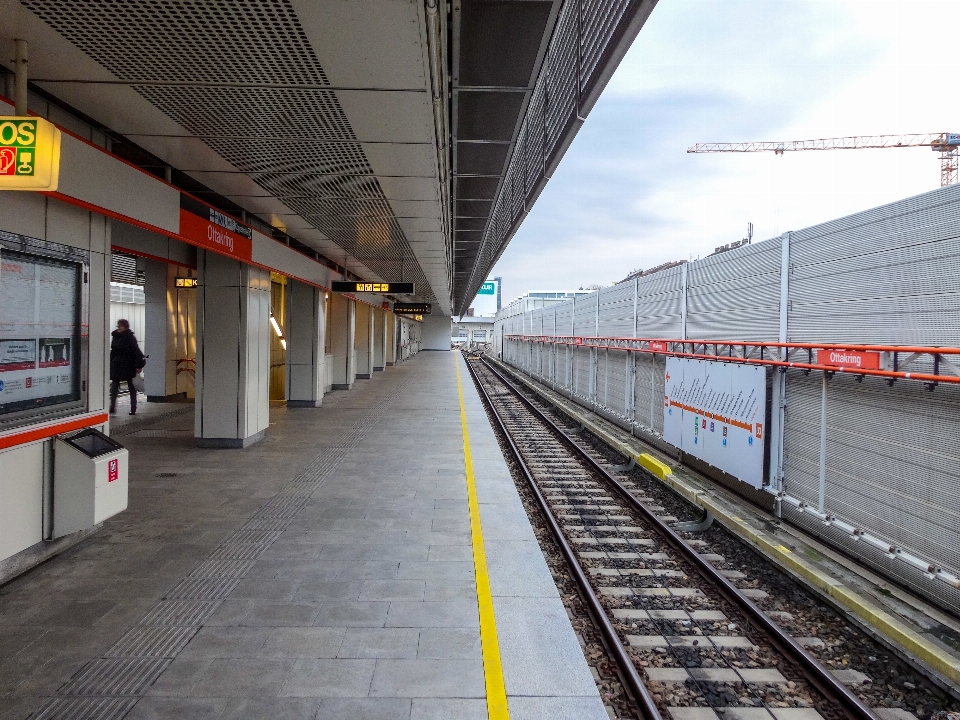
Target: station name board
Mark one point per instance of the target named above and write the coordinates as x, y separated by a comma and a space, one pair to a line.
365, 287
208, 228
29, 154
412, 308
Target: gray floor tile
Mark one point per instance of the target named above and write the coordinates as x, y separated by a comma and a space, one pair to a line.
431, 570
226, 642
539, 650
329, 678
318, 590
455, 553
364, 709
374, 590
353, 614
556, 708
266, 589
517, 569
269, 614
449, 644
303, 642
451, 613
368, 570
445, 709
180, 677
442, 590
428, 678
162, 708
270, 708
380, 643
242, 678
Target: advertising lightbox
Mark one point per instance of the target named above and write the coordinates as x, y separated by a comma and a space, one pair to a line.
716, 412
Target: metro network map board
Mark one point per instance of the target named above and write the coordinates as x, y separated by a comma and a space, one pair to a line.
716, 412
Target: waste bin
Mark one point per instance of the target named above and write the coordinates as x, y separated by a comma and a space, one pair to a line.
89, 481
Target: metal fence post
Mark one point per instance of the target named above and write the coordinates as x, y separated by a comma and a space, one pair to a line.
778, 399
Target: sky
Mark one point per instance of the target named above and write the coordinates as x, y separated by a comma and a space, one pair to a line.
627, 195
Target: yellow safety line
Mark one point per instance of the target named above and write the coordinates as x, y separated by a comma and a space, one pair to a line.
490, 645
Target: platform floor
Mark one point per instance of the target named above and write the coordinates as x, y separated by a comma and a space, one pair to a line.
326, 572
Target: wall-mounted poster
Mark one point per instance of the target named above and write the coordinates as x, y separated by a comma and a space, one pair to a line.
716, 412
39, 331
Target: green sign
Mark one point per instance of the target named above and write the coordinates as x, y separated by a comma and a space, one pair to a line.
488, 288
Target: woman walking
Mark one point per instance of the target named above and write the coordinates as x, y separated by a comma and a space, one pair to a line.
126, 360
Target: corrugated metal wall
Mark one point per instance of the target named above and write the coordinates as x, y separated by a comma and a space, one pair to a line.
884, 276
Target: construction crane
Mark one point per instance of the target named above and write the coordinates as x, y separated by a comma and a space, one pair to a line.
947, 144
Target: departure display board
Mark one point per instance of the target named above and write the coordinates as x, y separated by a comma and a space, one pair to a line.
39, 331
412, 308
365, 287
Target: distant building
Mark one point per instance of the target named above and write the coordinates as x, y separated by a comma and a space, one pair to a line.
473, 331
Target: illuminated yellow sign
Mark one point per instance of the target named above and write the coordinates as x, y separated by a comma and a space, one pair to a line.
29, 154
365, 287
186, 282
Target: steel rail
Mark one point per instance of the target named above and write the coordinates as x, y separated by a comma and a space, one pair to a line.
812, 670
636, 687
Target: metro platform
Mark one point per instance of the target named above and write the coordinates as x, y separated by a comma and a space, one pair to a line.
325, 572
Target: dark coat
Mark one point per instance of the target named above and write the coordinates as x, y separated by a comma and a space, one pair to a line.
125, 356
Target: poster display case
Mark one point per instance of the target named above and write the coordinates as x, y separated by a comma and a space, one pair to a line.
42, 339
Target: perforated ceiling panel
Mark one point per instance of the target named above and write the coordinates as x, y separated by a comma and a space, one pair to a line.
295, 141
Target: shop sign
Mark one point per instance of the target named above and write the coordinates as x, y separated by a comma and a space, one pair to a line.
29, 154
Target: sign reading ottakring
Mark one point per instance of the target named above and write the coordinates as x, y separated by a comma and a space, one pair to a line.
209, 228
29, 154
344, 286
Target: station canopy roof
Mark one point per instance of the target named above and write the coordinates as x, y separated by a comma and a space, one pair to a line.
403, 139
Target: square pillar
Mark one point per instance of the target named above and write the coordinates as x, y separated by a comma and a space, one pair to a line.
390, 341
379, 339
233, 352
343, 314
364, 341
160, 319
305, 335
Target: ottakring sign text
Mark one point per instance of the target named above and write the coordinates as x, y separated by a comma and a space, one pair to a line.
29, 154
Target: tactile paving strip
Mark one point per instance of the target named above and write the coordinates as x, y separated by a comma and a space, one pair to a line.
107, 688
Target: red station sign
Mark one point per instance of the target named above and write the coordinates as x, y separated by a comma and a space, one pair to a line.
861, 360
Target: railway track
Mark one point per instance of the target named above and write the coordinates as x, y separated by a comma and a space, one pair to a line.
688, 644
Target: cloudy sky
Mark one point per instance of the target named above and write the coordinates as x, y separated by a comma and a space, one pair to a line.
626, 195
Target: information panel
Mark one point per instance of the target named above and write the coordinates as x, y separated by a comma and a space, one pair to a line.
716, 411
39, 331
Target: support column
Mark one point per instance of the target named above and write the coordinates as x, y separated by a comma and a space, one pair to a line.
391, 339
343, 314
233, 353
380, 319
363, 341
160, 316
306, 328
